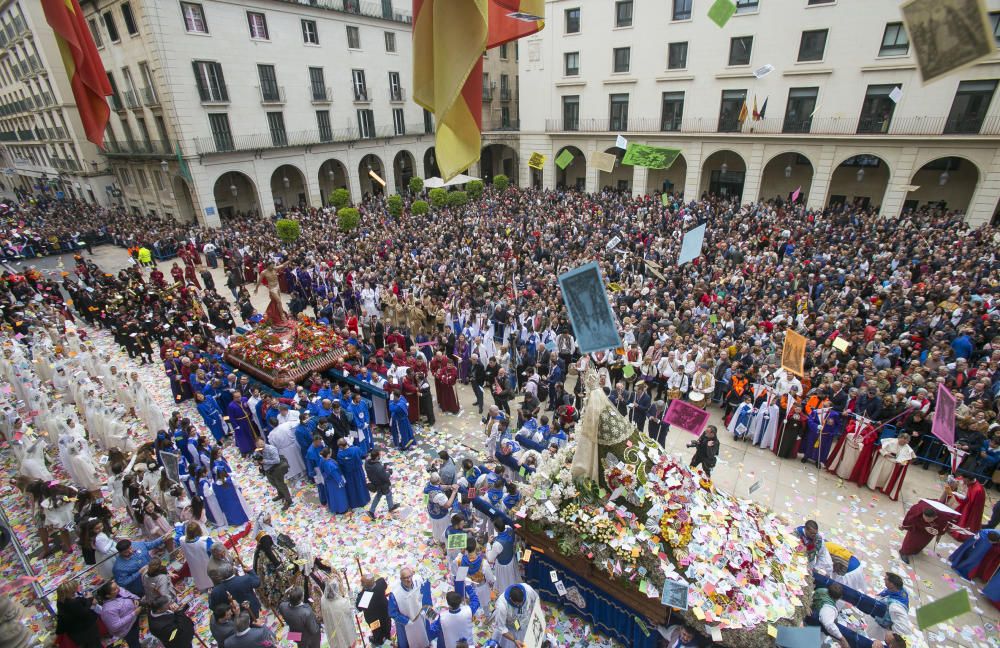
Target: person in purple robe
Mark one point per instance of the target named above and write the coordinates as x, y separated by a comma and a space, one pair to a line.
242, 421
822, 426
463, 358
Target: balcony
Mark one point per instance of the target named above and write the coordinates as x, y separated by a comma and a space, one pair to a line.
320, 94
131, 99
65, 164
152, 148
358, 8
116, 103
898, 127
501, 124
271, 94
397, 94
61, 133
487, 94
149, 97
505, 94
261, 141
361, 94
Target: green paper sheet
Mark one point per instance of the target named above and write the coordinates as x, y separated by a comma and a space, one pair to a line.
721, 12
564, 159
651, 157
457, 540
943, 609
665, 199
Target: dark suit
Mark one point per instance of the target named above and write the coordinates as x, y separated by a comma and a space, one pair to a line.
241, 588
254, 637
164, 626
300, 618
377, 610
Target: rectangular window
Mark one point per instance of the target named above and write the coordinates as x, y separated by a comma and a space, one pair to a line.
571, 112
572, 63
398, 122
504, 87
360, 87
130, 26
877, 109
141, 176
95, 32
504, 117
503, 52
220, 131
682, 9
258, 25
116, 98
820, 2
995, 23
428, 122
211, 83
158, 177
317, 84
622, 59
573, 21
746, 6
618, 112
968, 110
798, 112
109, 23
276, 124
729, 110
143, 130
390, 41
813, 45
161, 130
623, 13
194, 18
269, 90
366, 123
895, 41
739, 50
677, 56
149, 89
395, 87
323, 122
672, 112
353, 37
310, 33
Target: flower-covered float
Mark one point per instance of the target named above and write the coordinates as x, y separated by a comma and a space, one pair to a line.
638, 523
277, 354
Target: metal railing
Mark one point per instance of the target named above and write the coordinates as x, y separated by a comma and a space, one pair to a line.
360, 94
260, 141
501, 125
320, 94
152, 148
397, 94
65, 164
487, 94
116, 103
131, 99
359, 8
271, 94
149, 97
505, 94
908, 126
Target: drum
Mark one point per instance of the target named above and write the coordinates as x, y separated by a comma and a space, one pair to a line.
698, 399
673, 394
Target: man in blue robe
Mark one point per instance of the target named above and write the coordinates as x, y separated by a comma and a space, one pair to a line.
304, 432
212, 415
362, 422
333, 482
399, 422
313, 460
351, 461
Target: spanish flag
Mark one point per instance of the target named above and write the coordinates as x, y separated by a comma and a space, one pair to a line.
742, 117
449, 38
83, 65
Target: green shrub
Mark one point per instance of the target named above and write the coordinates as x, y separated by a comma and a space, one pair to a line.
420, 207
474, 188
395, 205
457, 198
339, 198
439, 197
289, 230
348, 218
501, 182
416, 184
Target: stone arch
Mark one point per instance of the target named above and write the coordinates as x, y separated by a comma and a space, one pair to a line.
332, 175
785, 173
235, 193
723, 173
497, 159
288, 188
575, 173
431, 169
184, 200
860, 179
620, 177
369, 164
949, 181
669, 180
403, 168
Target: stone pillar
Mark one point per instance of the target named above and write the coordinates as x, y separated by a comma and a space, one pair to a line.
752, 178
902, 171
822, 176
640, 176
314, 193
692, 179
593, 173
984, 199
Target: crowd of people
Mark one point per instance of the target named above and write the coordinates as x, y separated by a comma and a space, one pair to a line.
892, 308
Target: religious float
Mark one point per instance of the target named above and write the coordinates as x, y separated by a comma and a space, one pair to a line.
275, 354
629, 538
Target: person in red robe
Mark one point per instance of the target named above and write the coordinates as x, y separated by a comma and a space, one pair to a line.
863, 466
192, 276
157, 278
923, 523
411, 390
969, 504
177, 273
444, 382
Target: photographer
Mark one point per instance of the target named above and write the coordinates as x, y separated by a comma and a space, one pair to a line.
379, 482
477, 378
273, 466
707, 450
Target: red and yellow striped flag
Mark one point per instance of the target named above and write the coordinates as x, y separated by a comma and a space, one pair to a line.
449, 38
83, 65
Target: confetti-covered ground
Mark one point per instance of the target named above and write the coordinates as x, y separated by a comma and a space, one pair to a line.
864, 521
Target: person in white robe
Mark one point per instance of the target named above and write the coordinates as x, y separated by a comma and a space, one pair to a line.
78, 462
764, 425
282, 437
32, 457
145, 408
338, 616
512, 615
502, 555
455, 623
197, 549
739, 424
891, 462
105, 552
406, 607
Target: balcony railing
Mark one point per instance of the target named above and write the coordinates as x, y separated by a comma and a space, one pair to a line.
320, 94
370, 9
131, 99
505, 94
360, 94
397, 94
152, 148
487, 94
501, 125
908, 126
149, 97
271, 94
116, 103
260, 141
65, 164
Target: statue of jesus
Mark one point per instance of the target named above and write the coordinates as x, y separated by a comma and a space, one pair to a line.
275, 313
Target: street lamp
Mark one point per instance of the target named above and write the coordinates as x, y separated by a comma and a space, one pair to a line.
232, 187
285, 181
788, 171
860, 175
943, 178
724, 168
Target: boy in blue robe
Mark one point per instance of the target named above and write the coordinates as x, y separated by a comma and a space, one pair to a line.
313, 461
333, 482
362, 421
399, 422
212, 415
351, 462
